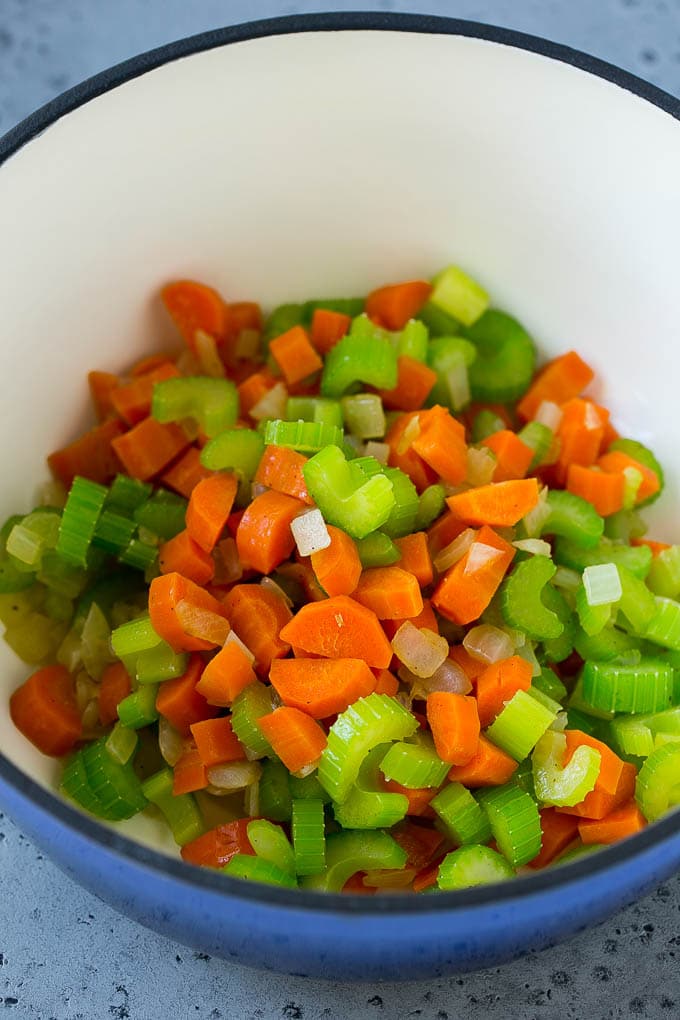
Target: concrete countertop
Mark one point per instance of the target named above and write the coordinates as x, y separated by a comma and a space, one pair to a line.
65, 955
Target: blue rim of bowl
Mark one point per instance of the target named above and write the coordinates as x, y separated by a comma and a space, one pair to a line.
206, 878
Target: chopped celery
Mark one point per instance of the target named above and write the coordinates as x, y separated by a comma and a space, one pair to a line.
162, 514
359, 359
575, 520
550, 684
658, 781
126, 494
641, 453
377, 550
506, 358
308, 788
139, 708
116, 786
403, 515
180, 811
304, 436
539, 437
438, 322
520, 725
563, 786
275, 791
113, 532
472, 865
457, 294
238, 450
283, 318
486, 424
309, 842
414, 766
450, 357
346, 306
593, 619
560, 648
349, 851
74, 784
611, 687
32, 537
664, 573
637, 602
431, 503
251, 704
522, 599
79, 520
270, 842
357, 507
664, 627
463, 819
515, 822
121, 743
315, 409
213, 403
570, 553
608, 644
364, 416
257, 869
368, 806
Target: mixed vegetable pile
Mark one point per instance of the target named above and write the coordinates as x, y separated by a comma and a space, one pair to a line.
352, 598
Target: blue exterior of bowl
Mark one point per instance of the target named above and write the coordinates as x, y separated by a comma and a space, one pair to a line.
345, 937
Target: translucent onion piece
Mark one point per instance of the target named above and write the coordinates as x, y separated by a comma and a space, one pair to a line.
602, 584
252, 799
535, 546
488, 643
206, 352
256, 489
272, 404
536, 518
187, 363
481, 464
86, 690
306, 770
276, 589
380, 451
422, 651
390, 879
201, 623
310, 532
449, 677
527, 652
480, 555
90, 717
409, 435
236, 775
247, 344
561, 722
227, 563
549, 414
592, 419
566, 578
454, 551
170, 742
458, 384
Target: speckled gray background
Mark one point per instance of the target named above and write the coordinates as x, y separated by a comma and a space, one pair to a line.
64, 955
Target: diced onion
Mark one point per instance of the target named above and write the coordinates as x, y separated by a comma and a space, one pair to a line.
481, 464
592, 418
277, 590
527, 653
170, 742
458, 384
560, 722
235, 775
306, 770
488, 643
536, 518
86, 690
206, 352
566, 578
90, 718
227, 562
252, 799
454, 551
602, 584
272, 404
549, 414
422, 651
380, 451
535, 546
310, 532
201, 623
450, 678
479, 555
409, 435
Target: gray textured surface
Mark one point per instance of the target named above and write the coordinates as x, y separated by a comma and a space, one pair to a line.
64, 954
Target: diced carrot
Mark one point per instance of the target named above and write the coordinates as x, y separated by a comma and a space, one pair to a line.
149, 447
604, 491
558, 831
425, 620
132, 400
656, 547
441, 444
258, 617
165, 594
209, 509
426, 878
216, 848
91, 456
337, 567
321, 687
281, 469
621, 822
445, 530
226, 675
617, 461
216, 741
115, 685
193, 306
327, 328
499, 504
489, 766
253, 388
403, 455
190, 773
467, 588
339, 628
454, 722
580, 434
264, 538
395, 304
420, 843
415, 380
183, 556
294, 354
101, 385
498, 683
392, 593
180, 702
471, 666
418, 799
385, 683
513, 456
44, 709
296, 738
243, 315
560, 380
615, 783
415, 557
185, 474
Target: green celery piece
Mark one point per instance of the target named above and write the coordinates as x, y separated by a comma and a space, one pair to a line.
283, 318
609, 644
638, 451
579, 703
315, 409
448, 356
308, 788
658, 781
593, 619
457, 294
238, 450
412, 341
251, 704
539, 437
180, 811
523, 777
113, 531
350, 851
274, 791
126, 494
12, 577
646, 687
213, 403
415, 765
368, 722
363, 415
121, 585
522, 599
463, 819
438, 322
138, 554
270, 842
377, 550
664, 627
251, 868
309, 841
632, 735
404, 514
358, 509
559, 649
581, 850
79, 520
359, 359
139, 708
664, 573
471, 866
431, 503
163, 514
486, 424
368, 806
346, 306
116, 786
74, 785
575, 520
519, 726
160, 663
550, 684
35, 638
624, 525
568, 553
590, 724
32, 537
506, 358
303, 436
637, 602
134, 637
563, 786
515, 822
121, 743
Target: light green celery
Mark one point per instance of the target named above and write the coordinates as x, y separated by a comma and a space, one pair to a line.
550, 684
270, 842
641, 453
522, 599
471, 866
309, 842
251, 704
609, 644
457, 294
113, 532
163, 514
658, 781
560, 648
126, 494
575, 520
506, 358
308, 788
275, 792
569, 553
520, 725
563, 786
377, 550
540, 438
359, 357
637, 602
450, 357
139, 708
645, 687
213, 403
485, 424
364, 416
414, 765
238, 450
349, 851
315, 409
79, 520
255, 869
357, 507
664, 627
593, 619
463, 818
368, 806
34, 535
121, 743
180, 812
95, 647
431, 503
515, 822
664, 573
303, 436
116, 786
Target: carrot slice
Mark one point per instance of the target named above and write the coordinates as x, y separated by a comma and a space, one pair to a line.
604, 491
216, 848
339, 628
396, 303
180, 702
226, 675
149, 447
617, 461
489, 766
294, 354
44, 709
392, 593
621, 822
193, 306
425, 620
441, 444
327, 328
498, 683
415, 380
337, 567
454, 723
513, 457
469, 585
558, 831
420, 844
418, 799
115, 685
499, 504
101, 386
385, 683
91, 456
580, 434
560, 380
183, 556
295, 737
165, 594
216, 741
259, 617
189, 774
615, 783
132, 400
184, 475
253, 389
415, 557
281, 469
263, 537
209, 509
321, 687
403, 454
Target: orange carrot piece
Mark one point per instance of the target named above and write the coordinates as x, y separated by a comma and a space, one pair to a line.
190, 773
216, 741
604, 491
513, 456
615, 783
263, 537
338, 567
243, 315
209, 509
425, 620
489, 766
281, 469
403, 455
471, 666
392, 593
184, 475
216, 848
560, 380
339, 628
415, 380
180, 702
621, 822
580, 435
395, 304
132, 401
226, 675
91, 456
426, 878
444, 531
656, 547
101, 386
115, 685
165, 594
321, 687
259, 617
44, 709
385, 683
415, 557
558, 831
420, 844
294, 354
441, 444
418, 799
327, 328
253, 389
616, 461
295, 737
498, 683
149, 447
454, 723
183, 556
467, 588
499, 504
193, 306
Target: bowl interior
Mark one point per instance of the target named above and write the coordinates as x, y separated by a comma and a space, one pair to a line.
323, 164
